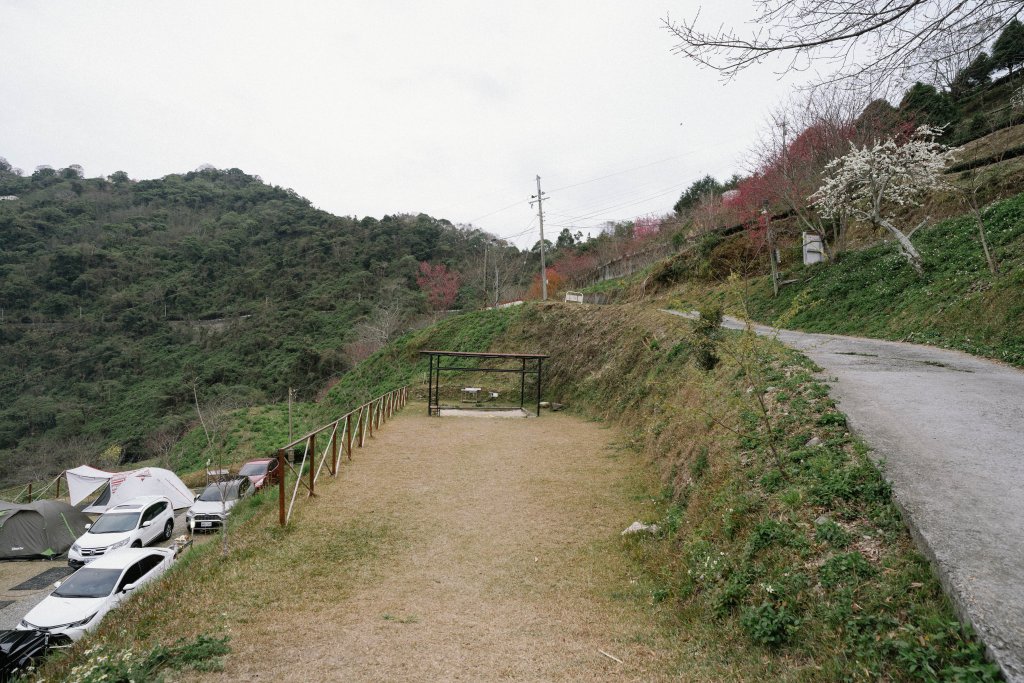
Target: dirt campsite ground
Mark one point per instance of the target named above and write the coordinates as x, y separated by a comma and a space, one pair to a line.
502, 561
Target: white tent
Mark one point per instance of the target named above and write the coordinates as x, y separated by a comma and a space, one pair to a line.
84, 480
119, 487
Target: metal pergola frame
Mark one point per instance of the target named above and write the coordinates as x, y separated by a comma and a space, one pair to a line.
436, 366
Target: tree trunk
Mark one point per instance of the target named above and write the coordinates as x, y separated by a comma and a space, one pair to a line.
992, 266
907, 248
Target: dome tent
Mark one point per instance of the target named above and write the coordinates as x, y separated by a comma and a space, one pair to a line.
117, 487
45, 528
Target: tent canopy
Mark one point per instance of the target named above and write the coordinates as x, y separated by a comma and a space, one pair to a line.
45, 528
83, 480
119, 487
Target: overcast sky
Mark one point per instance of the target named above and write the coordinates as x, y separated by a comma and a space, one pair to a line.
447, 108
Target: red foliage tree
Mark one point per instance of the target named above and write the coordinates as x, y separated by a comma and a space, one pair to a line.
555, 283
440, 284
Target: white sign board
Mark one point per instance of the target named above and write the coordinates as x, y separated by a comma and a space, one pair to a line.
814, 252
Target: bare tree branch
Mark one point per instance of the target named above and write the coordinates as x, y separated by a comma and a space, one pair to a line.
874, 42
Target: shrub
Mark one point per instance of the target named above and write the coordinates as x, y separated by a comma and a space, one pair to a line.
706, 331
769, 625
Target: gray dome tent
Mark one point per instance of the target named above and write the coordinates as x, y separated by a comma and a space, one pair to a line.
45, 528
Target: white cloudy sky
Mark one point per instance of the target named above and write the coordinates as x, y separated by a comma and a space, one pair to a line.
449, 108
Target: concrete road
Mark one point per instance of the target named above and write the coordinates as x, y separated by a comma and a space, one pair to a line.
950, 430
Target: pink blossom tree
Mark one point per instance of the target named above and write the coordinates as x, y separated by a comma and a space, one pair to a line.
440, 285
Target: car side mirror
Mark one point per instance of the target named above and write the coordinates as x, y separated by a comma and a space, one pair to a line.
88, 526
56, 584
146, 524
196, 498
128, 588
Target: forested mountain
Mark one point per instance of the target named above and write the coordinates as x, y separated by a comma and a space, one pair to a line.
123, 302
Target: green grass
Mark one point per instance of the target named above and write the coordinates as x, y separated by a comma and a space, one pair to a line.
957, 304
795, 567
400, 364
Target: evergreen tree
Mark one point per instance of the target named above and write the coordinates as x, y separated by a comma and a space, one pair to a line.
1008, 51
974, 75
925, 105
697, 190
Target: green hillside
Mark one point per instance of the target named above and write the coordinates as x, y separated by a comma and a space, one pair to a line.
957, 303
123, 301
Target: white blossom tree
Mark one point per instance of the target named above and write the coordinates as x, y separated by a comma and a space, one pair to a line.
870, 182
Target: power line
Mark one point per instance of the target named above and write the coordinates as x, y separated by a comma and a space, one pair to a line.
593, 180
504, 208
628, 170
597, 212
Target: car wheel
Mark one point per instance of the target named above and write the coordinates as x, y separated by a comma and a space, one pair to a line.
168, 529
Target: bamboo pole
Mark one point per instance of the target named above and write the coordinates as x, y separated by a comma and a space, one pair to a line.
312, 463
334, 451
362, 427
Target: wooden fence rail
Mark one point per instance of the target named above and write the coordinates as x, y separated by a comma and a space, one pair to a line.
32, 491
348, 430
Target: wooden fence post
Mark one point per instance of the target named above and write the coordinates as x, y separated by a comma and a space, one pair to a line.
280, 485
348, 434
369, 417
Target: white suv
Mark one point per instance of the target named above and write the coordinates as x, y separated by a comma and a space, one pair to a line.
212, 506
138, 522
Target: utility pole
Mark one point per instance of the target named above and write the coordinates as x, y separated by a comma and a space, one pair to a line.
290, 437
773, 257
543, 268
485, 274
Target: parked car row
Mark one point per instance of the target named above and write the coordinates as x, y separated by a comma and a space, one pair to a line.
112, 559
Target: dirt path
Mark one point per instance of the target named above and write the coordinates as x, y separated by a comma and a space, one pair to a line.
504, 563
950, 428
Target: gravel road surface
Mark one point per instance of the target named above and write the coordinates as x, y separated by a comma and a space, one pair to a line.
950, 430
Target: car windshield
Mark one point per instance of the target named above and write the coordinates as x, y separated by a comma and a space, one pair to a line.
252, 469
115, 522
89, 582
212, 492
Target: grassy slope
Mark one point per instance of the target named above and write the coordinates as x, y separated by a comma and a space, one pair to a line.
797, 568
957, 304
